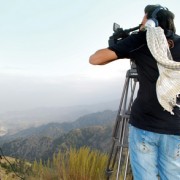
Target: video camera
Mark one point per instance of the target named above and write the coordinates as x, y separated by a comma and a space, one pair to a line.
119, 33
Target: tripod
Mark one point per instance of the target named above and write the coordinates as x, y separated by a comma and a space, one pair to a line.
119, 154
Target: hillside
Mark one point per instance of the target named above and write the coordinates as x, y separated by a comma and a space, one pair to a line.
54, 129
95, 137
93, 130
9, 170
14, 121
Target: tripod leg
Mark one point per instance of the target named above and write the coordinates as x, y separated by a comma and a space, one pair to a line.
117, 127
122, 146
126, 167
120, 133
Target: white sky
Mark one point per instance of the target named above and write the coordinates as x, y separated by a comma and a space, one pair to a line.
45, 46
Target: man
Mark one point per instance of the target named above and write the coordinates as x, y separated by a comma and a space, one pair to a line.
154, 131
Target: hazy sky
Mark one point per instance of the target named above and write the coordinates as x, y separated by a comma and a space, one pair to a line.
45, 46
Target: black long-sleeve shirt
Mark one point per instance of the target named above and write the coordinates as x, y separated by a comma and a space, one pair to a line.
146, 112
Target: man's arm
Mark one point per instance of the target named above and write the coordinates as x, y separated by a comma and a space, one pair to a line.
102, 56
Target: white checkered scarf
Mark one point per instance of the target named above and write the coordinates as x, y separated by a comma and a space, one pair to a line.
168, 82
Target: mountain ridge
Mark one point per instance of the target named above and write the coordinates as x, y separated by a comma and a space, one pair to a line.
85, 131
14, 121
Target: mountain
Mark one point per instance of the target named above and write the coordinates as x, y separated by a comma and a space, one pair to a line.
92, 130
13, 122
96, 137
54, 129
32, 148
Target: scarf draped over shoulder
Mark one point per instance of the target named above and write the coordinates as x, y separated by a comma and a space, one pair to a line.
168, 82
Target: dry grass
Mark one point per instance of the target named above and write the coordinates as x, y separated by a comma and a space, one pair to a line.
3, 172
82, 164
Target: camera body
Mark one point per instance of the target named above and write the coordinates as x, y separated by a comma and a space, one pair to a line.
119, 33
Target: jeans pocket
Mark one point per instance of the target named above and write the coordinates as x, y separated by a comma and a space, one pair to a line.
173, 146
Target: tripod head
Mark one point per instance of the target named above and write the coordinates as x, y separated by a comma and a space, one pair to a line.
119, 33
132, 72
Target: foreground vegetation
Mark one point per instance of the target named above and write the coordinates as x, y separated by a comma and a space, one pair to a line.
81, 164
13, 169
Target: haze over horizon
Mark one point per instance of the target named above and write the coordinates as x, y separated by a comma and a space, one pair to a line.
45, 46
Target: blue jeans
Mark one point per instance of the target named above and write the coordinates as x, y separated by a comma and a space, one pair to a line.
153, 155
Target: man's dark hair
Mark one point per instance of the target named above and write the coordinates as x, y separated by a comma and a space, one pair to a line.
164, 16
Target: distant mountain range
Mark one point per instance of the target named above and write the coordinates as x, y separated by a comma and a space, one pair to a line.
93, 130
13, 122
